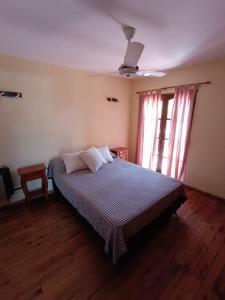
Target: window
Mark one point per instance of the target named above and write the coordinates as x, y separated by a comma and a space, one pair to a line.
163, 133
164, 129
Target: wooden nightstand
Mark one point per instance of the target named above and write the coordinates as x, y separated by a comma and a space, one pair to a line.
121, 152
31, 173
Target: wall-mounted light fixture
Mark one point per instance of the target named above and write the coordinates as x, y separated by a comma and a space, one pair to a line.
112, 99
9, 94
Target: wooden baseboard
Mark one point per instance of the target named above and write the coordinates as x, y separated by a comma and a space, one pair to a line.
205, 193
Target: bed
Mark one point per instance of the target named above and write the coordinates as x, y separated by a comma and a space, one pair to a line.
119, 200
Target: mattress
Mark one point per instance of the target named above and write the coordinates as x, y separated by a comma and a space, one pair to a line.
119, 200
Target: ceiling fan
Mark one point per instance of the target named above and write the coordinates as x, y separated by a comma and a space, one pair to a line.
129, 67
134, 50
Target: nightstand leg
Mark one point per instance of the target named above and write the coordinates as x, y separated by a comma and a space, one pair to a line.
25, 190
45, 185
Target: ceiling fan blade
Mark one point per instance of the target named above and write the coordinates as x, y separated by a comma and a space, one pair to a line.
134, 50
102, 74
146, 73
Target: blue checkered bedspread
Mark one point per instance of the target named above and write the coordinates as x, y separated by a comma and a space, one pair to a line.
119, 200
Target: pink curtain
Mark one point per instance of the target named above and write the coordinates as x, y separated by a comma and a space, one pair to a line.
182, 115
147, 128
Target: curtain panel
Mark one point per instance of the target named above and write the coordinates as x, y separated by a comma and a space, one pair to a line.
180, 132
147, 127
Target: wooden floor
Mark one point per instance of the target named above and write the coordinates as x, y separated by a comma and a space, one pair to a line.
47, 252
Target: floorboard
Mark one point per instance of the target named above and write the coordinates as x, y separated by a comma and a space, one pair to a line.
48, 252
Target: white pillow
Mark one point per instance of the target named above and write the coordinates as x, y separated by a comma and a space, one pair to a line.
73, 162
104, 150
93, 159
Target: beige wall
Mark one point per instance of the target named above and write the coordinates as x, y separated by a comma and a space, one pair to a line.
206, 159
64, 110
61, 110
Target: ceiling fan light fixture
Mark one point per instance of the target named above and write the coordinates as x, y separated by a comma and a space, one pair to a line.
127, 71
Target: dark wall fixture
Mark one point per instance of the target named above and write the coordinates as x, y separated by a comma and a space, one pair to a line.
7, 180
9, 94
112, 99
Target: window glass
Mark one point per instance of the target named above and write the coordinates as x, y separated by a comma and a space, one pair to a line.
154, 162
165, 149
164, 165
170, 108
160, 109
168, 124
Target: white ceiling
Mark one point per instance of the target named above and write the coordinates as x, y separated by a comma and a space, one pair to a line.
86, 34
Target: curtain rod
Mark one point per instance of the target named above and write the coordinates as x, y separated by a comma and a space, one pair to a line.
174, 86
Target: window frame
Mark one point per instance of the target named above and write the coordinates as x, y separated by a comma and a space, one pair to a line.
162, 131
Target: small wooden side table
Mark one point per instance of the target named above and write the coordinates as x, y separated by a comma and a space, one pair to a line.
121, 152
31, 173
